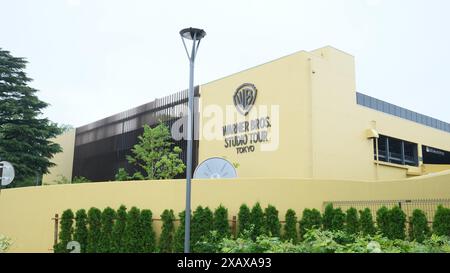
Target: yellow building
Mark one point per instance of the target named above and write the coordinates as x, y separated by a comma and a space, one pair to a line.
295, 117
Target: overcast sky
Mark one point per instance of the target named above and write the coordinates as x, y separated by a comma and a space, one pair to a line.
92, 58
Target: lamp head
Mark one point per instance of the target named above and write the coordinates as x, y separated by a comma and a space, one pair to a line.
191, 33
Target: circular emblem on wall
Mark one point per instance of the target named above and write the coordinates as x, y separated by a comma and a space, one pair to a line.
244, 98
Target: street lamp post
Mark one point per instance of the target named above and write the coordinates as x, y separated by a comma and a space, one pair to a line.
195, 35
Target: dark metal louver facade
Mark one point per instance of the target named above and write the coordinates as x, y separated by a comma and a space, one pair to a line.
101, 147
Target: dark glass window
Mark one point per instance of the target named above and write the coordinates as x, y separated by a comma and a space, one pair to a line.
435, 156
396, 151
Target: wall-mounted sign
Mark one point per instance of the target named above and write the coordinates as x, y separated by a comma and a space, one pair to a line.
244, 98
6, 173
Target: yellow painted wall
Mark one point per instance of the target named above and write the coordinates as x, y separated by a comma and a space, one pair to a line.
322, 128
63, 160
25, 213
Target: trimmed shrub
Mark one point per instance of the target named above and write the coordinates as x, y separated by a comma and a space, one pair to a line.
290, 227
383, 220
257, 220
81, 231
272, 222
328, 215
94, 230
133, 236
201, 225
179, 234
419, 229
220, 222
65, 235
166, 239
352, 222
397, 222
148, 235
311, 219
338, 221
243, 219
106, 236
119, 230
441, 223
366, 222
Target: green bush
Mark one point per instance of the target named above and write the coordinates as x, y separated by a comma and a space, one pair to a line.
419, 230
81, 231
179, 234
202, 224
148, 235
166, 239
65, 234
352, 224
118, 232
257, 221
106, 236
328, 216
272, 222
366, 222
311, 218
133, 236
94, 230
397, 223
122, 175
383, 220
220, 222
441, 223
338, 221
290, 227
243, 219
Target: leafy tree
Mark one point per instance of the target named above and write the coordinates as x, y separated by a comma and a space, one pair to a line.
81, 230
441, 223
366, 222
65, 235
179, 234
122, 175
272, 222
338, 219
147, 232
290, 228
201, 225
118, 232
155, 155
419, 226
24, 135
311, 219
166, 239
257, 220
352, 225
80, 179
244, 219
328, 216
397, 222
94, 230
220, 222
133, 236
106, 236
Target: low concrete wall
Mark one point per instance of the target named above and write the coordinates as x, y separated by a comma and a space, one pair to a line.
25, 213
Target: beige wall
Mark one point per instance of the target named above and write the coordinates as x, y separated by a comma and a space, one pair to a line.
25, 213
63, 160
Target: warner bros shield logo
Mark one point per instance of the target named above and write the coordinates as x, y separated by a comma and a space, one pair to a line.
244, 98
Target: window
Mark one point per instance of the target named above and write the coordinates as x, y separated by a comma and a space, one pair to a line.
396, 151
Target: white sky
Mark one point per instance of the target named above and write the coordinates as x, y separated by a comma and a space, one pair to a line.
93, 58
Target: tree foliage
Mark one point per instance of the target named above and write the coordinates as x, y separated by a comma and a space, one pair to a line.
133, 236
24, 134
272, 224
148, 235
81, 230
155, 155
441, 223
94, 230
166, 239
220, 222
257, 221
419, 230
179, 234
106, 236
352, 224
366, 222
243, 219
311, 219
290, 227
328, 215
66, 232
118, 232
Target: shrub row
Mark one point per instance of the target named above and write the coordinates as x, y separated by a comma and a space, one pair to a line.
122, 231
